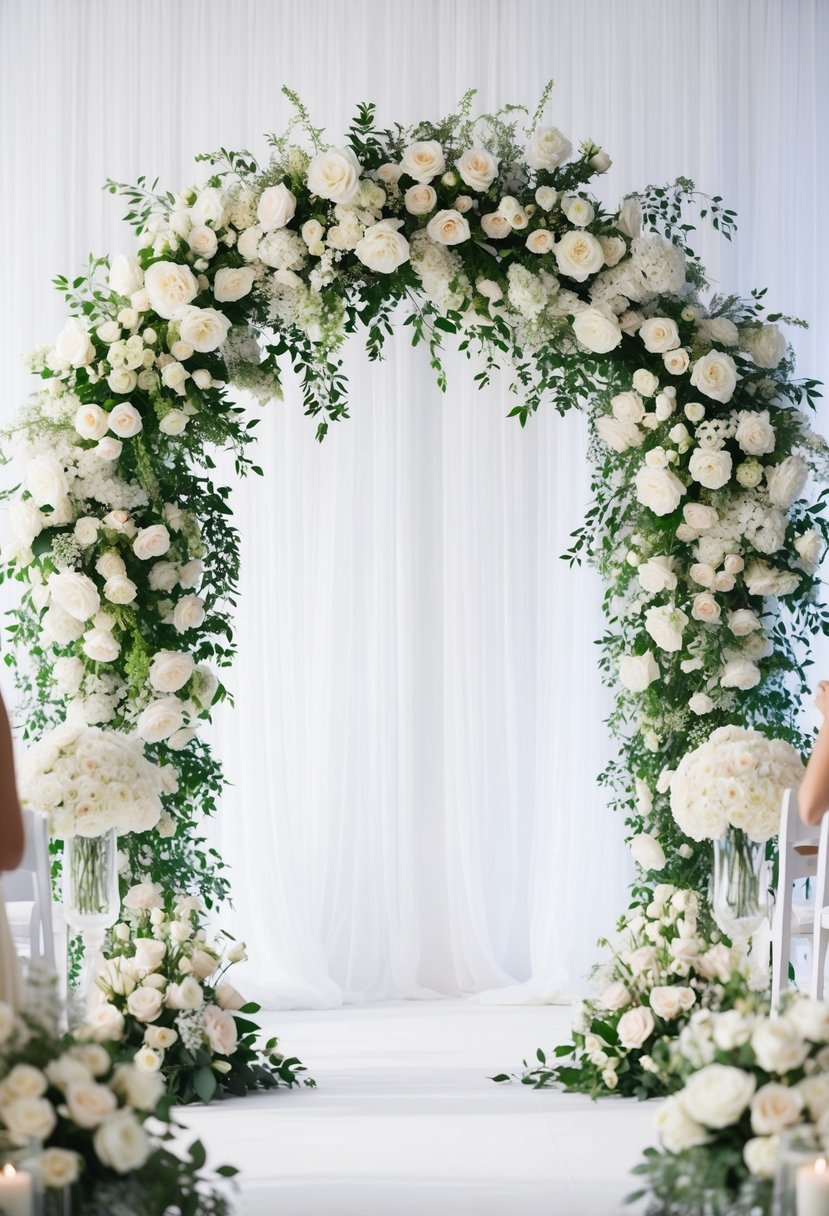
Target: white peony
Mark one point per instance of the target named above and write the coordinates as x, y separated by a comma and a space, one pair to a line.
169, 286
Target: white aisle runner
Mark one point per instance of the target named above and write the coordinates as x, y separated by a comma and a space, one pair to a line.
405, 1123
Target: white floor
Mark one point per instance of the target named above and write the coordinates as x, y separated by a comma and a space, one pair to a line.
405, 1122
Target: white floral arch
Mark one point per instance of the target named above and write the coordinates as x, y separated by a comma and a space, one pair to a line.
484, 229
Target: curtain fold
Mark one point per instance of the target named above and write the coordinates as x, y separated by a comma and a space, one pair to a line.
414, 808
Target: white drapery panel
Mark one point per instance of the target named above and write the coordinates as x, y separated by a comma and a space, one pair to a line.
419, 718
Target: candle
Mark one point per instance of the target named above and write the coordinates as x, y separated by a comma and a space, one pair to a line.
812, 1189
16, 1192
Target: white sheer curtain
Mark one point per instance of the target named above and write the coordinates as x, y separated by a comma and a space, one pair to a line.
418, 729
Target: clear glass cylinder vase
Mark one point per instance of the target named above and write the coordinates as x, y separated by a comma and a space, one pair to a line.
21, 1184
739, 895
90, 882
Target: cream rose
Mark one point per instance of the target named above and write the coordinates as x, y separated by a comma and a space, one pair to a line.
669, 1001
760, 1155
423, 160
232, 283
578, 255
659, 334
495, 225
75, 594
638, 672
775, 1107
448, 228
635, 1027
120, 590
659, 489
547, 149
220, 1028
676, 361
203, 241
597, 329
89, 1103
151, 542
145, 1004
160, 720
710, 469
60, 1167
706, 609
125, 420
755, 434
188, 613
478, 168
276, 207
169, 286
717, 1095
149, 952
382, 248
122, 1143
205, 329
33, 1117
91, 422
715, 375
540, 242
170, 670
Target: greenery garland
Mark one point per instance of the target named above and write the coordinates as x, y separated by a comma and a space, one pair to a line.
480, 228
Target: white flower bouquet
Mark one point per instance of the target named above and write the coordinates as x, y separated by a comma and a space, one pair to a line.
747, 1079
89, 1108
166, 998
92, 780
735, 779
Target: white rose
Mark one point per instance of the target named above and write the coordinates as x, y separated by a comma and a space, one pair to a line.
423, 160
228, 998
75, 594
657, 574
629, 220
635, 1026
100, 646
151, 542
779, 1046
678, 1132
211, 207
186, 995
786, 481
755, 434
109, 448
149, 953
160, 720
810, 547
659, 489
700, 703
775, 1107
669, 1001
276, 207
676, 361
766, 345
125, 420
715, 375
91, 422
248, 243
620, 436
717, 1095
170, 670
45, 480
645, 382
382, 248
33, 1117
104, 1023
120, 590
89, 1103
495, 225
59, 1167
334, 174
169, 286
597, 329
638, 672
23, 1081
615, 997
478, 168
627, 407
705, 608
125, 275
540, 242
174, 423
659, 334
740, 673
145, 1004
649, 854
699, 516
710, 469
122, 1143
140, 1089
73, 345
695, 411
742, 622
203, 241
448, 228
578, 255
420, 199
665, 625
232, 283
546, 197
547, 149
220, 1029
760, 1155
205, 329
143, 896
188, 613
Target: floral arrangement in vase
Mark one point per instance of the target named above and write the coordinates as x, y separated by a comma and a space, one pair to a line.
89, 1111
746, 1079
167, 1001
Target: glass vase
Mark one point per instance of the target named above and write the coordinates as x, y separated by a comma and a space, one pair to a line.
21, 1187
740, 885
801, 1185
90, 895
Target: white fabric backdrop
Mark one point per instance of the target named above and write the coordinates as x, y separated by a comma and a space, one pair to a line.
418, 728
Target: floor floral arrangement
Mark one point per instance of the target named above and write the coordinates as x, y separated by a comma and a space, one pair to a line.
167, 1000
746, 1079
90, 1114
704, 526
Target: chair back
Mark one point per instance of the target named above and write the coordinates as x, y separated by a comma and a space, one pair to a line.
799, 856
32, 882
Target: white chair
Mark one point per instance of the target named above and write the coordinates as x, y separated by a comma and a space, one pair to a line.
802, 854
36, 924
820, 935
